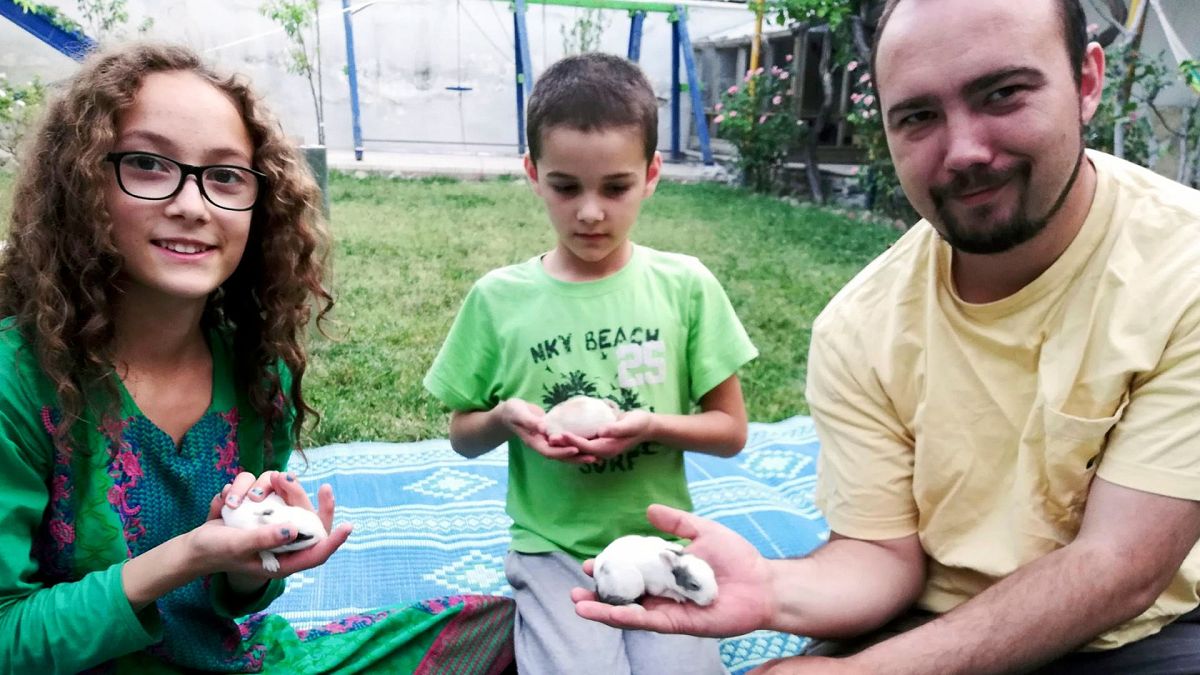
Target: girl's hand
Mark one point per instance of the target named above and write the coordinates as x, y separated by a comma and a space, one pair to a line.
219, 548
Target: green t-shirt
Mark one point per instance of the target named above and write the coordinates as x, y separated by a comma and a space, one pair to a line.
657, 335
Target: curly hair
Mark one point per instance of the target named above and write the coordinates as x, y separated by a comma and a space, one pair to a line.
60, 269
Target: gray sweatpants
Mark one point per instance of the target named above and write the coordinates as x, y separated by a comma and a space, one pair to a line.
1175, 650
551, 638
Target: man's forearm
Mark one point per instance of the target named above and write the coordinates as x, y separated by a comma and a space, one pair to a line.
1044, 610
847, 587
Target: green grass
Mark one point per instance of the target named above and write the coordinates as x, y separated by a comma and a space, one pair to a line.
407, 251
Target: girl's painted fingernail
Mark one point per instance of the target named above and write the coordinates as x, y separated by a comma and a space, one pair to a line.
291, 478
285, 533
232, 500
257, 492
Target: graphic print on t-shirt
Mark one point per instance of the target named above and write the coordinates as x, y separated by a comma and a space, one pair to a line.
640, 359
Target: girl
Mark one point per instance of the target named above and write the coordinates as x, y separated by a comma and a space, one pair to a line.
164, 259
164, 254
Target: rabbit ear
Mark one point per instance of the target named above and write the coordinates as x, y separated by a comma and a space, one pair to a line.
684, 578
668, 557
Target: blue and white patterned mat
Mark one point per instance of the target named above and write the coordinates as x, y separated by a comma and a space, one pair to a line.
429, 523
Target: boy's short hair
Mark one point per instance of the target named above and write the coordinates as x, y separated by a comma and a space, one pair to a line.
592, 92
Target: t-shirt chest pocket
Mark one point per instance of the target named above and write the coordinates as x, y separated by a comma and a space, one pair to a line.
1073, 449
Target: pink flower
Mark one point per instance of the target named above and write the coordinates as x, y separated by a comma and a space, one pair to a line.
1092, 28
788, 58
759, 71
762, 120
733, 113
1133, 116
718, 119
856, 97
783, 75
777, 100
775, 70
869, 100
851, 66
865, 78
732, 90
718, 107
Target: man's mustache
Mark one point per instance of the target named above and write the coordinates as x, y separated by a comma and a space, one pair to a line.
976, 179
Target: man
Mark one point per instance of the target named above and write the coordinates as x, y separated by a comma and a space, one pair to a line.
1008, 399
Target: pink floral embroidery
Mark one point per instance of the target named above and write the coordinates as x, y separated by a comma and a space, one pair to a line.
63, 533
252, 653
59, 524
125, 468
130, 464
60, 488
113, 428
227, 453
345, 625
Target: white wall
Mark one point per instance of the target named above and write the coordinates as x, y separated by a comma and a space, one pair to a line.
407, 52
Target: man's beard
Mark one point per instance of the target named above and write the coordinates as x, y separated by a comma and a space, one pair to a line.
1000, 237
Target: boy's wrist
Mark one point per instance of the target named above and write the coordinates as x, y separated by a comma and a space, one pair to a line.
654, 428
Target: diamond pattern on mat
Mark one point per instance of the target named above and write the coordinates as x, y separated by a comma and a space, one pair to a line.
451, 484
475, 572
779, 463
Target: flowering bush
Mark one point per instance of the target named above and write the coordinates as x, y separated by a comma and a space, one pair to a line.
758, 117
19, 106
879, 175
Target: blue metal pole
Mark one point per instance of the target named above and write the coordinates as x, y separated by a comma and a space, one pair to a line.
72, 44
636, 19
685, 45
676, 152
520, 6
352, 70
518, 26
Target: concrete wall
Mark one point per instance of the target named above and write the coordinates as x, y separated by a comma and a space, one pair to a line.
408, 52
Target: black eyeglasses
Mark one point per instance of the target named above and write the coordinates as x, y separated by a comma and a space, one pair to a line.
145, 175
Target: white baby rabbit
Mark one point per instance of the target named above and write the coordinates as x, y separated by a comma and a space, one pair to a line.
583, 416
633, 565
272, 510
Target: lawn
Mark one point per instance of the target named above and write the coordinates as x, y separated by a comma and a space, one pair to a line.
407, 251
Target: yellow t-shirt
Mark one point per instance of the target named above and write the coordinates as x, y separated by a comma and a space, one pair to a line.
980, 426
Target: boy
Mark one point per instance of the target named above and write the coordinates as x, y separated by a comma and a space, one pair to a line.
598, 316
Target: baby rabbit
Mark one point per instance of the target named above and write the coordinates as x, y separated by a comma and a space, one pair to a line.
583, 416
272, 510
634, 565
